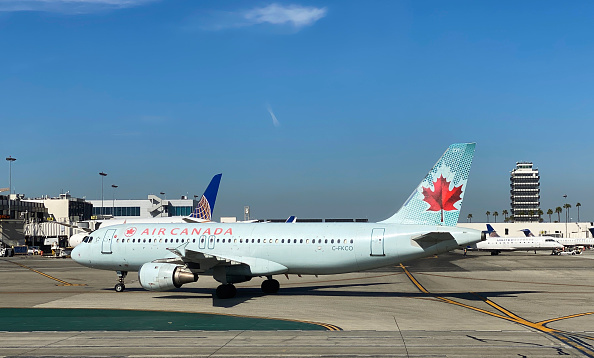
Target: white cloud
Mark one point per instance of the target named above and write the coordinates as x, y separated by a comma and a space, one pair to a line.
67, 6
276, 14
295, 16
275, 121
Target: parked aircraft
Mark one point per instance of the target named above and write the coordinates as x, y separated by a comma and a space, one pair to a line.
202, 213
567, 241
167, 256
496, 244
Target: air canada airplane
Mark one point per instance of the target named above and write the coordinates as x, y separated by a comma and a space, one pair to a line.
167, 256
202, 213
496, 244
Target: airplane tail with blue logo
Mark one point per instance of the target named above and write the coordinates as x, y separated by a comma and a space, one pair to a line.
206, 204
438, 198
527, 232
491, 231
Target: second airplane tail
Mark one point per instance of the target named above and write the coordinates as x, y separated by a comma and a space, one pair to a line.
206, 204
438, 198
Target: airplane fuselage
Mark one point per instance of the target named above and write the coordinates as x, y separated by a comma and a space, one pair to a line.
269, 248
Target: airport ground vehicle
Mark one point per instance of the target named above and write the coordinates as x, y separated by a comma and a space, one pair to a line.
33, 250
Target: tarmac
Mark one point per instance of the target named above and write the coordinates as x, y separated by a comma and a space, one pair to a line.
515, 304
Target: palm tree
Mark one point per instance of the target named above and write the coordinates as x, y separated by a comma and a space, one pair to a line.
488, 213
505, 213
531, 213
558, 211
578, 207
540, 214
567, 207
469, 218
495, 215
549, 213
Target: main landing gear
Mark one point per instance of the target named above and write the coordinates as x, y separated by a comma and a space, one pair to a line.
270, 286
120, 287
227, 290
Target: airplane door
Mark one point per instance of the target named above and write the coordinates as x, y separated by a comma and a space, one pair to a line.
106, 243
377, 242
211, 242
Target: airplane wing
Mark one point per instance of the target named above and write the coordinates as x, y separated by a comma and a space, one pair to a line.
432, 238
200, 262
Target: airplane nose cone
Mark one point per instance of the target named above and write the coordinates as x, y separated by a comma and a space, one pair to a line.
76, 254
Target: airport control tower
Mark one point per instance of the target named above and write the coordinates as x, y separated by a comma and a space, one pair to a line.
525, 192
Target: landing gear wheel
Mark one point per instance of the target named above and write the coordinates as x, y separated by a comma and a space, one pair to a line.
120, 287
270, 286
226, 291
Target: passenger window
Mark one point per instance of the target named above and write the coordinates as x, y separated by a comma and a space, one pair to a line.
176, 240
282, 241
301, 241
332, 241
235, 241
252, 241
276, 241
326, 241
241, 241
144, 240
351, 241
258, 241
307, 241
218, 240
264, 240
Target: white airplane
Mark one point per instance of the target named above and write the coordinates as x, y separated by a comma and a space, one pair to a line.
202, 213
167, 256
568, 241
496, 244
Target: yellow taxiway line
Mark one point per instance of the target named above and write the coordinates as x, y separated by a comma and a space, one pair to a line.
62, 282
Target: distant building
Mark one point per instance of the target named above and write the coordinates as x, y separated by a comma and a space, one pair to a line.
525, 192
151, 207
12, 232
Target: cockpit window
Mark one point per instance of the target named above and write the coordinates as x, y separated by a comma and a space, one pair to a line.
85, 239
90, 238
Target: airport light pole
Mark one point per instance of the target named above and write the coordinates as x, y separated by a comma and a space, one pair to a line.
565, 206
113, 200
10, 159
102, 207
165, 196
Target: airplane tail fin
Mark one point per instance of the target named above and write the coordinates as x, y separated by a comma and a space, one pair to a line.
491, 231
527, 232
291, 219
438, 198
592, 231
206, 204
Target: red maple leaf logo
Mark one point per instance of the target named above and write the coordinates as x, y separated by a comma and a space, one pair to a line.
442, 198
130, 231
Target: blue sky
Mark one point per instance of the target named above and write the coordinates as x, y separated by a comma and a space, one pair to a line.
161, 95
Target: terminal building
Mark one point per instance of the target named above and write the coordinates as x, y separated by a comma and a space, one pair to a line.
525, 193
151, 207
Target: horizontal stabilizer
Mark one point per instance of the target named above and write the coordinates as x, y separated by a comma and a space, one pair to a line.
433, 238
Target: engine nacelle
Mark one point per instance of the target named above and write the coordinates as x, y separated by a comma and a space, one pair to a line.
164, 277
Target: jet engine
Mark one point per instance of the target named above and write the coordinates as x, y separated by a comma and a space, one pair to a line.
164, 277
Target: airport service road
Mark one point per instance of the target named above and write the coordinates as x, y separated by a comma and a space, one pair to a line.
478, 305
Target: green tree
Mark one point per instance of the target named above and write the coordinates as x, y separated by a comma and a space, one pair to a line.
578, 207
549, 213
469, 218
495, 215
488, 213
540, 214
531, 213
567, 207
505, 213
558, 211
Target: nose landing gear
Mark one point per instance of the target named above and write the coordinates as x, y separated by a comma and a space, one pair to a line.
120, 287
